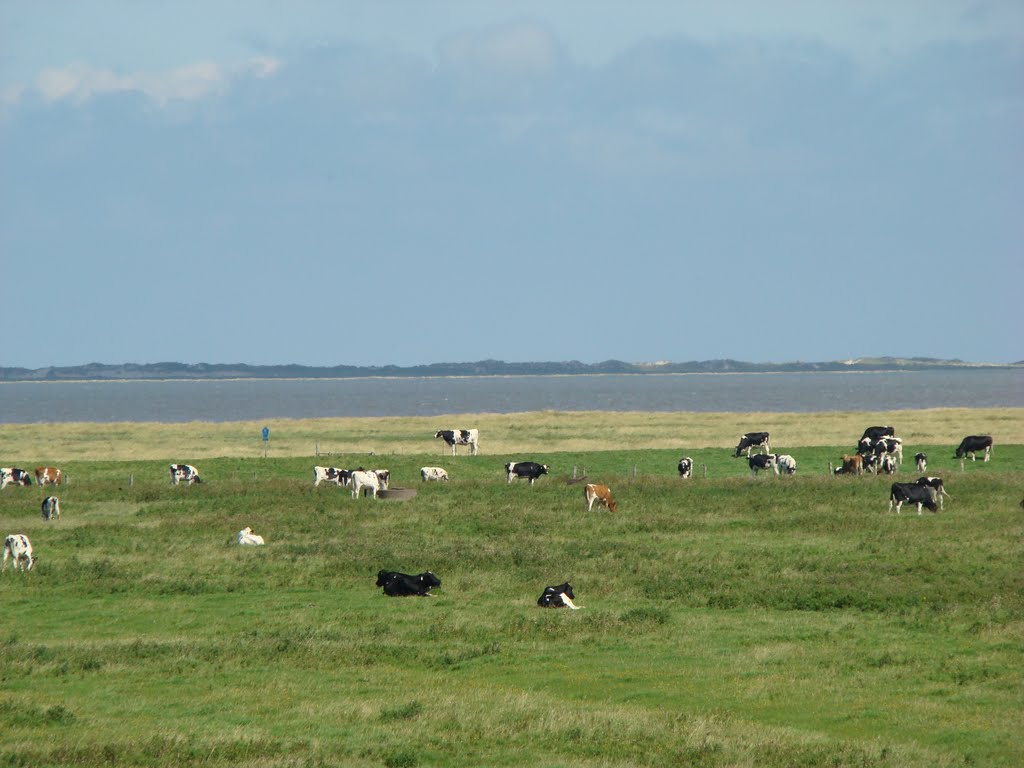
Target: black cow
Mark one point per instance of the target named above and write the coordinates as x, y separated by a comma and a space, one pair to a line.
922, 495
558, 596
873, 433
529, 470
936, 483
974, 443
455, 437
763, 461
403, 584
752, 440
685, 467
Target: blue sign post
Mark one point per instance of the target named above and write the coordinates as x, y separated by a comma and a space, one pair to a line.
266, 438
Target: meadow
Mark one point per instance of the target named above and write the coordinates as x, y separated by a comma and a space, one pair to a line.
726, 621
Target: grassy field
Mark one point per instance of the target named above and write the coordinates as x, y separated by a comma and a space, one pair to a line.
726, 621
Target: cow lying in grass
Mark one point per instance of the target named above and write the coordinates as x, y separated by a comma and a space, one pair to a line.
558, 596
397, 584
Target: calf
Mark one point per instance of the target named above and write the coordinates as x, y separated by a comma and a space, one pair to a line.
51, 508
558, 596
433, 473
456, 437
334, 475
397, 584
247, 538
851, 465
184, 473
922, 495
752, 440
787, 464
48, 476
685, 467
974, 443
18, 547
361, 480
921, 460
763, 461
936, 483
14, 476
529, 470
602, 494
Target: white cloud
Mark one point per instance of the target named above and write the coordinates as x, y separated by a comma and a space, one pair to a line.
81, 82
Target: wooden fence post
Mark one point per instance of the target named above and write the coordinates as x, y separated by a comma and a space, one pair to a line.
131, 479
830, 470
704, 470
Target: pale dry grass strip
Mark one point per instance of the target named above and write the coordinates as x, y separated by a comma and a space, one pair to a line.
500, 434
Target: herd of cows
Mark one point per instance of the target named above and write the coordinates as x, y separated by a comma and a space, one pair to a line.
879, 451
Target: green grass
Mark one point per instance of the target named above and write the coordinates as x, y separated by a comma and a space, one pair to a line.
727, 621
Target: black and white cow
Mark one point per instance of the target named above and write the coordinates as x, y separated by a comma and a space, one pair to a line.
752, 440
339, 477
362, 482
184, 473
936, 483
14, 476
456, 437
762, 462
18, 546
685, 467
974, 443
528, 470
873, 433
870, 462
887, 466
51, 508
786, 464
922, 495
558, 596
889, 446
397, 584
921, 460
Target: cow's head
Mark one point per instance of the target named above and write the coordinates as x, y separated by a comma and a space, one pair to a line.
566, 589
429, 580
382, 577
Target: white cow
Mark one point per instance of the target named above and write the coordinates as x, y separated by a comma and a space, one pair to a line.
247, 538
331, 475
787, 464
51, 508
362, 480
433, 473
18, 547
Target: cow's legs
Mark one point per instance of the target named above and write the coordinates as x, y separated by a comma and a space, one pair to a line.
568, 603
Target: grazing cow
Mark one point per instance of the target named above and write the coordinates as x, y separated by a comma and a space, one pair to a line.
248, 539
763, 461
364, 481
685, 467
870, 462
15, 476
433, 473
529, 470
887, 466
558, 596
873, 433
752, 440
602, 494
921, 460
936, 483
397, 584
334, 475
51, 508
186, 473
48, 476
852, 465
456, 437
787, 464
974, 443
922, 495
18, 546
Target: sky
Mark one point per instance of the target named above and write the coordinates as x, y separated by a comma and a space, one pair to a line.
404, 182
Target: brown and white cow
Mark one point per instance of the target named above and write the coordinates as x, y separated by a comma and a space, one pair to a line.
602, 494
852, 465
48, 476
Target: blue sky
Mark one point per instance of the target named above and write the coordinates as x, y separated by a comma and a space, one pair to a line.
377, 183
